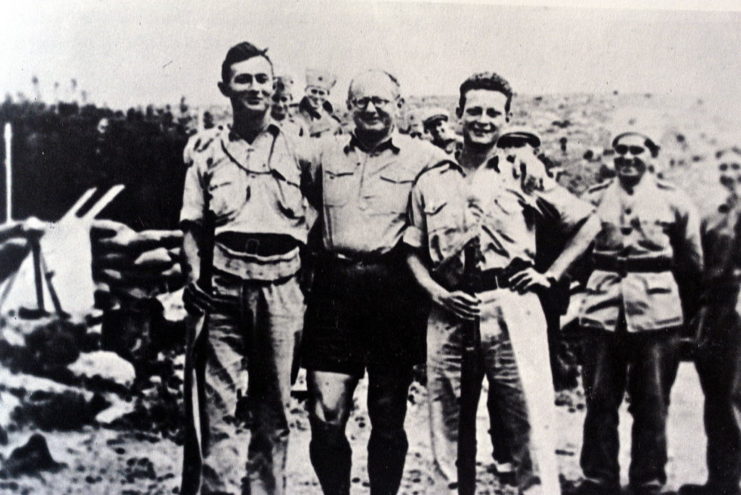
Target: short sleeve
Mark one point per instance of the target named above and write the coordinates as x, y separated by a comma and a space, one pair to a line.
193, 192
556, 203
416, 231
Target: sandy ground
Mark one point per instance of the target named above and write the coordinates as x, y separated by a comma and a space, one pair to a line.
104, 461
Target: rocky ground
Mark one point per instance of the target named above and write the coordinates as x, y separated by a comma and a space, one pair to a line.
78, 419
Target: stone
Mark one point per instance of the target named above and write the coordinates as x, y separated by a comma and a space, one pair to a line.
30, 458
107, 365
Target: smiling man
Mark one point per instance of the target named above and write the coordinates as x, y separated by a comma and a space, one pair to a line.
364, 312
492, 193
244, 210
315, 110
632, 314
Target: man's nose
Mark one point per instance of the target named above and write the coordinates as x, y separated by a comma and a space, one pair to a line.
370, 107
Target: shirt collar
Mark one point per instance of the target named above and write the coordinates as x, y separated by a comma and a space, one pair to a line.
390, 143
491, 163
273, 128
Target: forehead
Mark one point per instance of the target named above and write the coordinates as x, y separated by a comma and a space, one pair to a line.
254, 65
632, 140
373, 84
486, 98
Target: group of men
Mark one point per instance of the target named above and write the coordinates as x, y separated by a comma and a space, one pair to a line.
410, 243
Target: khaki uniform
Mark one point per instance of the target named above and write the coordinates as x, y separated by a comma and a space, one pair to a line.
718, 359
364, 312
317, 124
247, 344
446, 209
633, 312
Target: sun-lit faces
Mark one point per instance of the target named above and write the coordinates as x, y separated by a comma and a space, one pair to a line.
316, 96
632, 157
483, 116
281, 105
374, 102
250, 85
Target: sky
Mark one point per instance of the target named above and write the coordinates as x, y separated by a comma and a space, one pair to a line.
127, 53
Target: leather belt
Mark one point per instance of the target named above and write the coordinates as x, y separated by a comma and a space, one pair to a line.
492, 279
621, 264
258, 244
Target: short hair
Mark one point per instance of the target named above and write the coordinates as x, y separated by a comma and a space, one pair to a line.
239, 53
392, 78
490, 81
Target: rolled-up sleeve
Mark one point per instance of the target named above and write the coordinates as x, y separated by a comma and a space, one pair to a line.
415, 234
556, 204
193, 192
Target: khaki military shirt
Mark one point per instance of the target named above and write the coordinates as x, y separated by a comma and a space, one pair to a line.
317, 124
656, 222
363, 195
251, 189
292, 126
494, 203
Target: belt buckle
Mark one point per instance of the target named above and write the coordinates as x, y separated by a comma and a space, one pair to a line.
251, 246
621, 263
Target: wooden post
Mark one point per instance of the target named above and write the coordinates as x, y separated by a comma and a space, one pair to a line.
8, 135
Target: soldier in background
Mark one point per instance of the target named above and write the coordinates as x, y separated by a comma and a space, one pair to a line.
718, 328
632, 315
437, 125
315, 111
281, 110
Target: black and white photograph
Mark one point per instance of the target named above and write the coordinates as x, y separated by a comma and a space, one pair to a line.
370, 247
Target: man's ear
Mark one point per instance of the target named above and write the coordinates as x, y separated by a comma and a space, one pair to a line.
507, 117
458, 112
400, 102
224, 88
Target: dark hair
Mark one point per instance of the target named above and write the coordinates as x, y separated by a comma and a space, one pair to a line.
239, 53
649, 143
490, 81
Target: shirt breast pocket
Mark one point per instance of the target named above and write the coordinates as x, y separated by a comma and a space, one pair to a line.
390, 193
656, 232
290, 199
338, 187
227, 195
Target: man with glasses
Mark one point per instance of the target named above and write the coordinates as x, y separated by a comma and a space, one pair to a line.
364, 311
632, 315
497, 192
315, 110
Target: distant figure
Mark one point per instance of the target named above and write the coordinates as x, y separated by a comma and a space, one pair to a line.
718, 328
315, 110
437, 124
208, 120
281, 108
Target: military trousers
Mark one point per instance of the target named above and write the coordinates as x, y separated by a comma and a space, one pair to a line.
503, 312
244, 363
645, 364
718, 364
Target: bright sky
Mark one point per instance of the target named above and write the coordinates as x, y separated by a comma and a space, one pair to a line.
141, 51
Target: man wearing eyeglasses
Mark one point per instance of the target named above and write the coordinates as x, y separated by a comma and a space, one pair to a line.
364, 312
315, 110
498, 192
632, 315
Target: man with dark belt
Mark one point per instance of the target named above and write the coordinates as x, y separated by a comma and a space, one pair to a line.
246, 176
494, 192
632, 315
364, 310
718, 326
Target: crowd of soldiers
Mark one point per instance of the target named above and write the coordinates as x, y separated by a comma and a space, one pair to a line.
410, 244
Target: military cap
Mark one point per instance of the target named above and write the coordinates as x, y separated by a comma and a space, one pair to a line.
519, 133
284, 84
432, 115
320, 79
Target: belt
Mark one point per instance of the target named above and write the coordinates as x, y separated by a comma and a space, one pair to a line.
258, 244
393, 256
621, 264
492, 279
